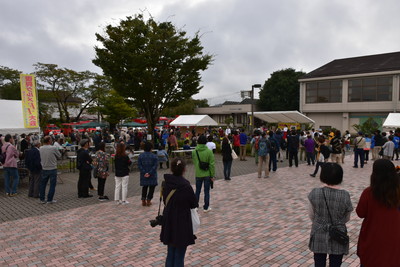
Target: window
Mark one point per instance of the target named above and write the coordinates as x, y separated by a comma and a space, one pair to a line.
324, 92
371, 89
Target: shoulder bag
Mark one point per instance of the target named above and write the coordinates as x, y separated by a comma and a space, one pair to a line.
205, 166
335, 233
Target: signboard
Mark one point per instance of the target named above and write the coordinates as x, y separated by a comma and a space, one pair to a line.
29, 101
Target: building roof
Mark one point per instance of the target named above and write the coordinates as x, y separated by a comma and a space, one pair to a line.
357, 65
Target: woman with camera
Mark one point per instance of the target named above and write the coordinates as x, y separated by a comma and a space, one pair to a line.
330, 209
176, 228
379, 206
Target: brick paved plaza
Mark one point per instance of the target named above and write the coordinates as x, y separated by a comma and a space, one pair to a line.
253, 222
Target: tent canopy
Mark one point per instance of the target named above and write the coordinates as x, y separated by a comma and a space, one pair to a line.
12, 119
282, 116
392, 121
92, 124
194, 120
133, 124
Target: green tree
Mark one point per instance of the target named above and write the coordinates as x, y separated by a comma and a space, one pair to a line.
281, 91
185, 108
69, 88
115, 109
152, 65
368, 127
9, 83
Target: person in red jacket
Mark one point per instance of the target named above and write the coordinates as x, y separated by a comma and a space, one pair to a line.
379, 206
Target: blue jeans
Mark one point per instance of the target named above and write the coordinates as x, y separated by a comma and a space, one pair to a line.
8, 173
199, 184
46, 176
227, 168
175, 257
334, 260
272, 159
310, 158
359, 153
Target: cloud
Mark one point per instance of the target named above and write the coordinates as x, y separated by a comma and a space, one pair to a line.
250, 39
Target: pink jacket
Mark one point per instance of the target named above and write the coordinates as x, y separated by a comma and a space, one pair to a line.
12, 155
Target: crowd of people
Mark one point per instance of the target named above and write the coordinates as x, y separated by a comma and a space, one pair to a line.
330, 206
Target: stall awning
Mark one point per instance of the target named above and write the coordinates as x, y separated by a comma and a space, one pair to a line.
282, 116
11, 119
194, 120
392, 121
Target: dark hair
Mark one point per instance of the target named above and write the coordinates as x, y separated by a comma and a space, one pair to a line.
147, 146
331, 173
337, 133
202, 139
210, 138
271, 133
7, 138
178, 166
390, 137
321, 139
225, 140
102, 146
47, 139
385, 184
120, 150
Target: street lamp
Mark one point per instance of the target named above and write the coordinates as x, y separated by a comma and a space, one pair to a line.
257, 85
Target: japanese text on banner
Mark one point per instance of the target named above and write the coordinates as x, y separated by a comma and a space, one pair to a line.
29, 102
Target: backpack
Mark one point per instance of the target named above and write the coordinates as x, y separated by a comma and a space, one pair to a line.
273, 146
336, 145
263, 147
3, 156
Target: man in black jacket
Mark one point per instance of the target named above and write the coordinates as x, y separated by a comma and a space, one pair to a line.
84, 162
32, 162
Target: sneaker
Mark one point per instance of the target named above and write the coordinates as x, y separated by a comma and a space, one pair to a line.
103, 199
106, 197
51, 202
312, 175
207, 210
93, 189
13, 194
125, 202
118, 202
42, 202
7, 194
266, 176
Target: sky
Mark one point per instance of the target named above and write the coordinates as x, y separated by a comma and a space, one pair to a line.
249, 39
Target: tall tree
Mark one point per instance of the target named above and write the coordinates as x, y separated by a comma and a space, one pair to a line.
115, 109
153, 65
68, 87
185, 108
281, 91
9, 83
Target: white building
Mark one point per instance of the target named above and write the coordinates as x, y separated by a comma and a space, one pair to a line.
348, 91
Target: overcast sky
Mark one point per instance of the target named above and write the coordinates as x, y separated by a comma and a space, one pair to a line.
250, 39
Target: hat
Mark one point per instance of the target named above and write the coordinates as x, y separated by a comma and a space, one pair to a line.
360, 133
83, 142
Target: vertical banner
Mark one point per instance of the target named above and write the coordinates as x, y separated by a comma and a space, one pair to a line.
29, 101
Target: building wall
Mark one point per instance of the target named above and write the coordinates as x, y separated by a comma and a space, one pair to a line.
345, 114
221, 113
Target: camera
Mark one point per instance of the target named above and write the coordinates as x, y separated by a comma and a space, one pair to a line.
156, 221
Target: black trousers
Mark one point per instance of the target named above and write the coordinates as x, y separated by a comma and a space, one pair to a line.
148, 192
83, 183
319, 163
293, 155
100, 186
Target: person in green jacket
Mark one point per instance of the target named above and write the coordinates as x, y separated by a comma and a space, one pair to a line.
204, 162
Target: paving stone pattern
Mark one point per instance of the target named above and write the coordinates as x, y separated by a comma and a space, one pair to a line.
253, 222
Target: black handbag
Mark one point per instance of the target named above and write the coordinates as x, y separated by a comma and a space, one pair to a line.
203, 165
334, 233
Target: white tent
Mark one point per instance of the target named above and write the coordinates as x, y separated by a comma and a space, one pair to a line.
392, 121
11, 118
282, 116
194, 120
